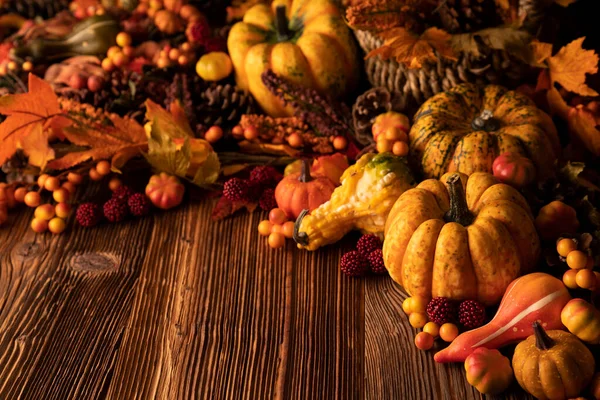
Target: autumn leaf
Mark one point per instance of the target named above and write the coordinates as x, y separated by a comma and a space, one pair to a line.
413, 50
119, 141
570, 66
582, 125
507, 38
381, 15
564, 3
173, 149
557, 104
39, 106
541, 51
35, 146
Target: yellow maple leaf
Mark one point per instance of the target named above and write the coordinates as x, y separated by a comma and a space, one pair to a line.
35, 146
570, 65
412, 50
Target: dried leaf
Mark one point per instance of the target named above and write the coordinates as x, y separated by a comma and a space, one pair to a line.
509, 9
224, 208
508, 38
557, 104
578, 174
413, 50
38, 106
582, 125
541, 51
233, 169
570, 65
268, 148
543, 81
36, 148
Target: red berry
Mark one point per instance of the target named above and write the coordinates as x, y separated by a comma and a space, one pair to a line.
88, 214
265, 175
115, 210
471, 314
236, 189
376, 262
139, 204
267, 200
368, 244
354, 264
95, 83
441, 310
122, 193
77, 81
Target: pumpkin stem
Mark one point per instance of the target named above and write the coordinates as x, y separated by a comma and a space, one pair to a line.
542, 340
459, 211
300, 237
281, 24
305, 172
485, 122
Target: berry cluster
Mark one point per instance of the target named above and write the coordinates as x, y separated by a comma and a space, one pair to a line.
439, 317
367, 257
258, 188
581, 272
390, 131
277, 228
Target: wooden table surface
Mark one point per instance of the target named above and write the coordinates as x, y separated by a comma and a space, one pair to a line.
175, 306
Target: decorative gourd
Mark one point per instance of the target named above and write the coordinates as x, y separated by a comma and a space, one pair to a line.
363, 201
444, 241
582, 319
393, 125
168, 22
514, 169
298, 192
533, 297
214, 66
553, 365
92, 36
465, 128
306, 42
488, 371
555, 219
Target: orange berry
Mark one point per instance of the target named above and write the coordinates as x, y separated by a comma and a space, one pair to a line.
114, 184
123, 39
577, 259
69, 187
213, 134
295, 140
237, 132
20, 194
264, 228
400, 149
112, 51
394, 134
95, 175
27, 66
163, 63
39, 225
186, 47
424, 341
120, 60
407, 305
75, 178
52, 183
107, 65
569, 279
57, 225
251, 133
128, 51
432, 328
277, 229
340, 143
41, 180
384, 146
585, 279
183, 60
277, 216
417, 320
61, 195
448, 332
103, 167
44, 211
419, 304
565, 246
276, 240
62, 210
12, 66
288, 229
32, 199
174, 54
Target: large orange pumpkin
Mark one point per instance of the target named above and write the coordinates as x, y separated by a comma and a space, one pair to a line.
305, 41
443, 240
467, 127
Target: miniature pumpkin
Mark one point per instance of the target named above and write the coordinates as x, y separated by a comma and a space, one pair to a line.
168, 22
165, 191
442, 240
307, 43
465, 128
514, 169
214, 66
582, 319
555, 219
553, 365
488, 371
298, 192
393, 125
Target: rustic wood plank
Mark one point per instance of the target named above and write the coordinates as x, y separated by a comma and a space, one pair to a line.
395, 368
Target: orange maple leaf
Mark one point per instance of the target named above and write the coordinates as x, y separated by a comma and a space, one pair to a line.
413, 50
582, 124
39, 106
541, 51
119, 142
570, 65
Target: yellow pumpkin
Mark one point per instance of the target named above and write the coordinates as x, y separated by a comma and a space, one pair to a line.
553, 365
305, 41
582, 319
465, 128
442, 240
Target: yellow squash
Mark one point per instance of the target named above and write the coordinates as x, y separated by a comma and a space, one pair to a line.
305, 41
444, 240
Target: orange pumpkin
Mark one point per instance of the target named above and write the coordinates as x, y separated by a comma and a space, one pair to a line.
555, 219
582, 319
488, 371
442, 240
298, 192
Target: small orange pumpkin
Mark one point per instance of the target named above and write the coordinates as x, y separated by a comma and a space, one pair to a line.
555, 219
299, 192
488, 370
582, 319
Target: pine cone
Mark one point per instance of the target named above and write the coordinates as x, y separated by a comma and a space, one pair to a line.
34, 8
17, 169
223, 105
183, 88
368, 106
458, 16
